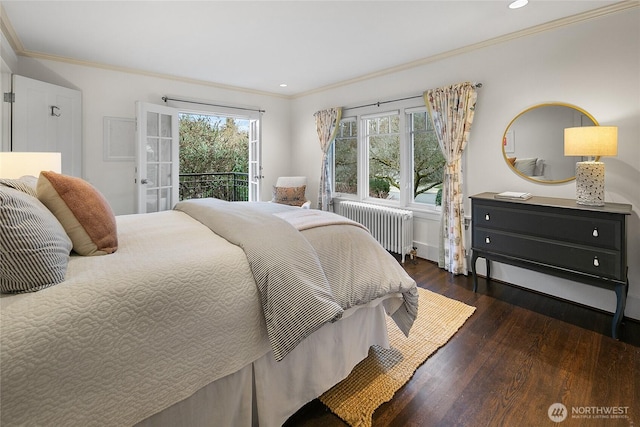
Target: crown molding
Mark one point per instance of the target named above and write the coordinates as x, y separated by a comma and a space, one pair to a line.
9, 32
137, 71
551, 25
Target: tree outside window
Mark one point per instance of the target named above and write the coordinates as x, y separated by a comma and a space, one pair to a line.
345, 155
428, 161
386, 139
383, 139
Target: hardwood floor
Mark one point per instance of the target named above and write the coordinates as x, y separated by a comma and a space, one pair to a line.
518, 354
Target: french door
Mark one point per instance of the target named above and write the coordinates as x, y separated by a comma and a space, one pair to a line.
255, 163
158, 148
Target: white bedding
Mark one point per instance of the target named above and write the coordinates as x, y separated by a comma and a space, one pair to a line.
145, 339
176, 308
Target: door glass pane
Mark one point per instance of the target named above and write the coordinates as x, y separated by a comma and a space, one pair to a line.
165, 174
152, 175
152, 124
152, 200
152, 149
165, 199
165, 150
165, 125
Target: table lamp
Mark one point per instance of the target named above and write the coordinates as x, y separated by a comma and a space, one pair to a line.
590, 141
14, 164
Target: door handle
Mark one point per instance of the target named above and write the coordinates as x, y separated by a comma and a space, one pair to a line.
144, 181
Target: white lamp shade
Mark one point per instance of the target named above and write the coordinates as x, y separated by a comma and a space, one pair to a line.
591, 141
14, 165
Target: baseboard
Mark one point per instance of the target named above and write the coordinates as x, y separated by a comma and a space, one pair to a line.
426, 251
628, 315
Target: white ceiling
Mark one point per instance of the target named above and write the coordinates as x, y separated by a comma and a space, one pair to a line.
257, 45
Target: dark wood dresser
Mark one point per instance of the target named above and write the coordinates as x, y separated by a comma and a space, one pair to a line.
555, 236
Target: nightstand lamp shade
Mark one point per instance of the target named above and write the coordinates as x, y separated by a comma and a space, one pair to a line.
590, 141
14, 165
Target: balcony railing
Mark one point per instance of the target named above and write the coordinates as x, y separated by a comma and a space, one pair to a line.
229, 186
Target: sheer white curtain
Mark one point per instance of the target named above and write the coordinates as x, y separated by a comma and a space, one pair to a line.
452, 109
326, 124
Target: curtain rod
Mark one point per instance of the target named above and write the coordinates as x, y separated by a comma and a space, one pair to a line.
166, 98
379, 103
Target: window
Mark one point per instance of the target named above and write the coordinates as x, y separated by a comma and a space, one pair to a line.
390, 157
345, 156
383, 147
428, 161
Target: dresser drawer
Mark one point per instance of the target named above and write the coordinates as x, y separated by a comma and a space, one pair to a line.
552, 224
556, 254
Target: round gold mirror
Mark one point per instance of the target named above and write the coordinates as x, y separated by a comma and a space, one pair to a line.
533, 143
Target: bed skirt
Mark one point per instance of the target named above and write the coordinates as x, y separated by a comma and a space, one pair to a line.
266, 393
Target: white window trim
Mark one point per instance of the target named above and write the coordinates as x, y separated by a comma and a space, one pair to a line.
406, 159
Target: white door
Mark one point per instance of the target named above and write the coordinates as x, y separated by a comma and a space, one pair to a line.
158, 147
5, 107
47, 117
255, 153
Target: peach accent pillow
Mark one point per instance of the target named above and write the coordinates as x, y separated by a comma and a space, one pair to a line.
82, 210
512, 160
293, 196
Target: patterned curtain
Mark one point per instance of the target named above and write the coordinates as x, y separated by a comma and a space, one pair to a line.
452, 109
327, 125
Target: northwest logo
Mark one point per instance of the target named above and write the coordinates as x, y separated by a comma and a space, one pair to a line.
557, 412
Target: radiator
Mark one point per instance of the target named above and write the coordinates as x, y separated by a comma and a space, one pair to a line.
391, 227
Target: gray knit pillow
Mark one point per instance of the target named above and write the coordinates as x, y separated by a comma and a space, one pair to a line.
34, 248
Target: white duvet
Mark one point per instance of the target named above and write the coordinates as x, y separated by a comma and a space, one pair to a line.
124, 336
175, 308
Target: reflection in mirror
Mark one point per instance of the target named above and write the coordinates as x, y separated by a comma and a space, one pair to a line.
533, 143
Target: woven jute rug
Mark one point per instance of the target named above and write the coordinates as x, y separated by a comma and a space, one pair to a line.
376, 379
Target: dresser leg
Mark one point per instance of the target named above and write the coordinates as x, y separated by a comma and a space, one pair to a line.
621, 302
488, 269
474, 258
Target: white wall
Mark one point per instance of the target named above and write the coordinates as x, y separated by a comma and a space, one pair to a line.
594, 64
108, 93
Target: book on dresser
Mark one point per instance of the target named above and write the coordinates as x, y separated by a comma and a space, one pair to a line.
514, 195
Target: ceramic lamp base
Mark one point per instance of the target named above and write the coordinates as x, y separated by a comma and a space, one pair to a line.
590, 183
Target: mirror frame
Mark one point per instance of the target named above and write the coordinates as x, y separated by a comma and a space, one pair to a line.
546, 104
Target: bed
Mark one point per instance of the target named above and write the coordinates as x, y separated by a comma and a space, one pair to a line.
213, 313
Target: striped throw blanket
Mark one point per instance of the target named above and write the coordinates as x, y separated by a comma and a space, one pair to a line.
300, 289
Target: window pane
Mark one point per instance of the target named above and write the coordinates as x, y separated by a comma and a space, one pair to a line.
152, 201
384, 166
152, 124
346, 158
152, 149
384, 157
165, 125
165, 150
395, 124
428, 161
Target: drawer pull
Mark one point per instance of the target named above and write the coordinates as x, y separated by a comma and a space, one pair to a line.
487, 239
596, 263
595, 232
486, 217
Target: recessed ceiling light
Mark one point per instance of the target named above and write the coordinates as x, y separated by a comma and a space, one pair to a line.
518, 4
283, 85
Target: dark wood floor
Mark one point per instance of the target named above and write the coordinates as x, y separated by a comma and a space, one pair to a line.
518, 354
